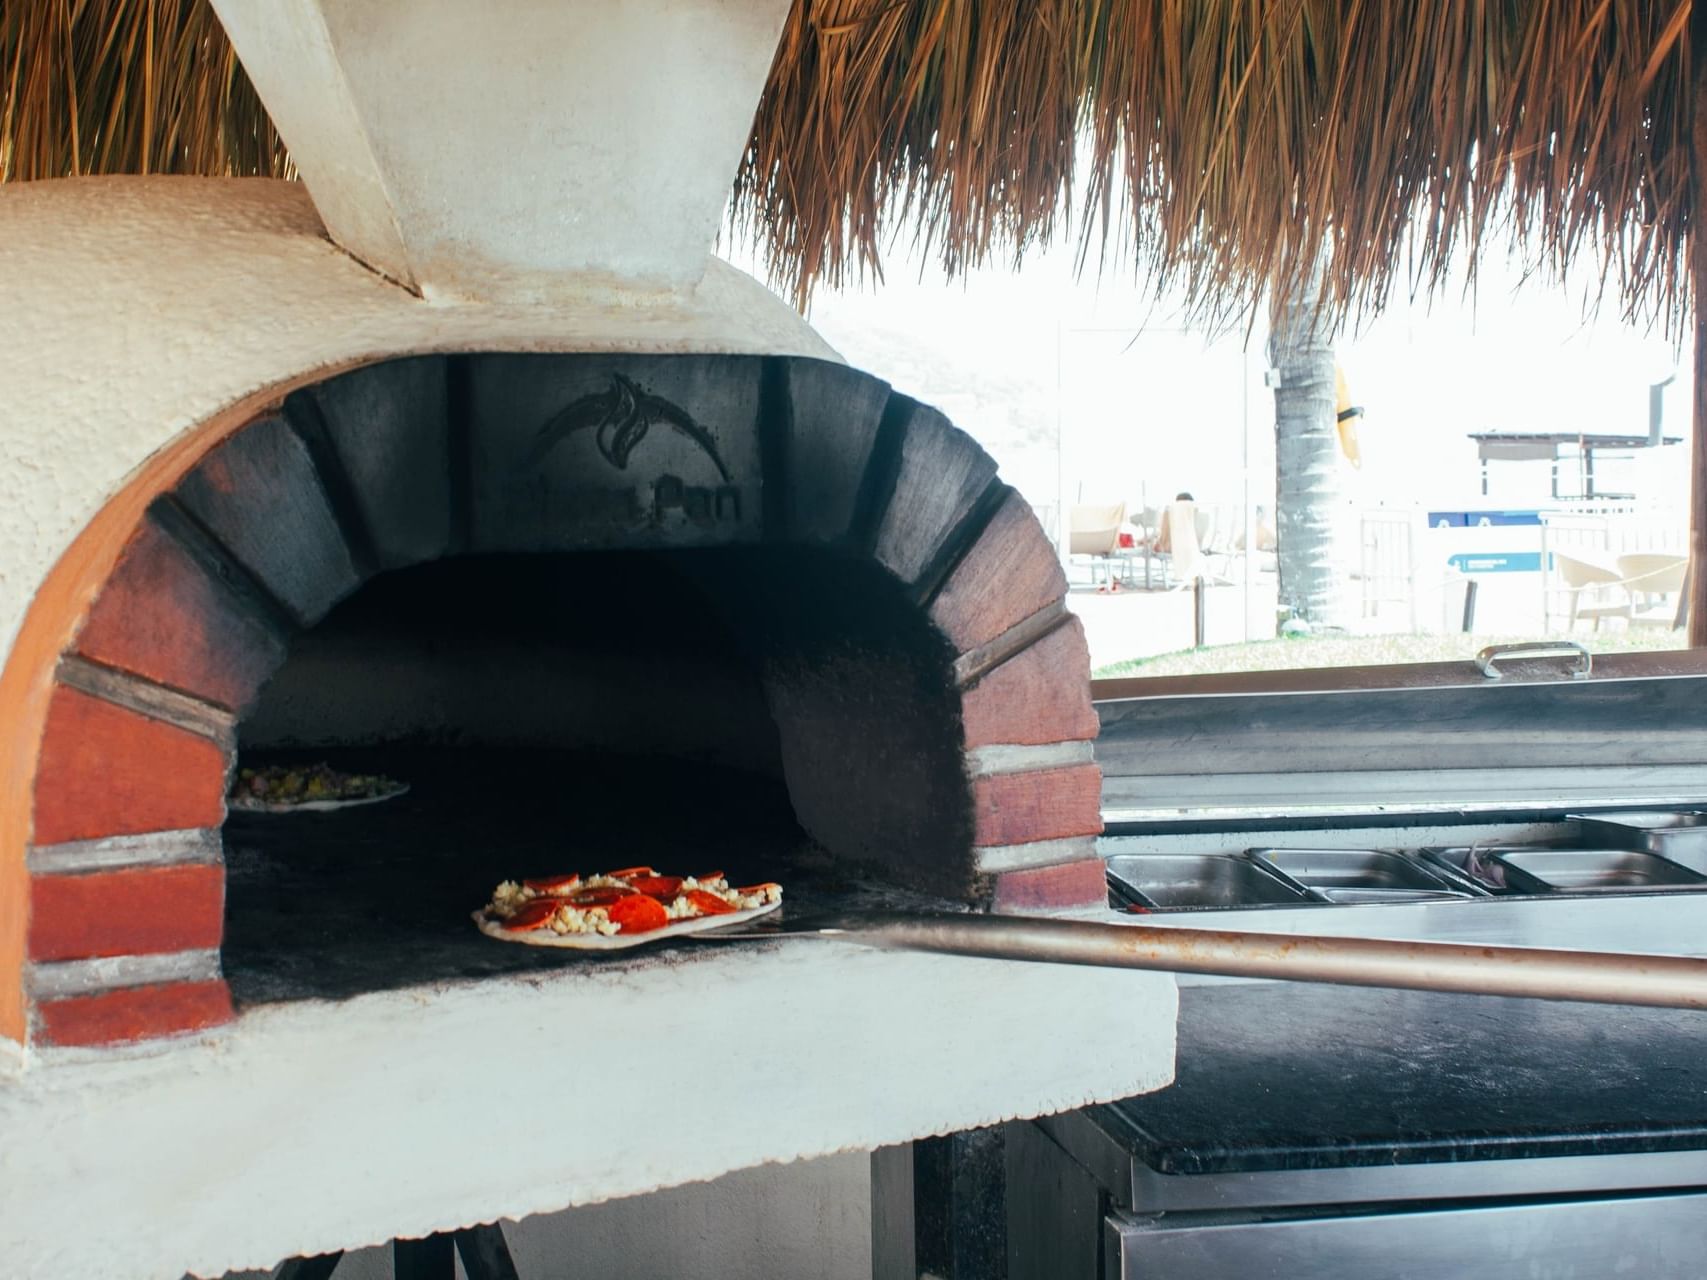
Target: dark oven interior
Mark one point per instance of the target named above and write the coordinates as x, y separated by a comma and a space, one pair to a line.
579, 712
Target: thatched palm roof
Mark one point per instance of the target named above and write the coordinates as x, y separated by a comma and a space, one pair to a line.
1216, 145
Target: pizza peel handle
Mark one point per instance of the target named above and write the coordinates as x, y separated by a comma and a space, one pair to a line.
1675, 982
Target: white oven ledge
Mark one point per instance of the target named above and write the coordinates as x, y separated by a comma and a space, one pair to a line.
313, 1126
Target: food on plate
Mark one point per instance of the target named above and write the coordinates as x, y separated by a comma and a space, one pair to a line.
637, 913
618, 907
709, 904
280, 788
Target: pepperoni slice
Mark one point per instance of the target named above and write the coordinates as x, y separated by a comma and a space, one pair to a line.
704, 876
553, 884
628, 873
599, 897
708, 903
758, 888
661, 887
533, 915
638, 914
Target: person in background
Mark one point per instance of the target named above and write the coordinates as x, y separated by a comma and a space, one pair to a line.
1164, 537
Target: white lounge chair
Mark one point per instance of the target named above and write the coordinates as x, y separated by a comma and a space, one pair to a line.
1651, 579
1596, 590
1093, 532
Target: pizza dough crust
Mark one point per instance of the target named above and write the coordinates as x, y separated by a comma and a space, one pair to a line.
493, 927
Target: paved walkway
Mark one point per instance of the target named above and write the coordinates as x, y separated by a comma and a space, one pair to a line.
1142, 624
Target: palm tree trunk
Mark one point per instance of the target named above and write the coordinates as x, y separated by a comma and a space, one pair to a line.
1314, 574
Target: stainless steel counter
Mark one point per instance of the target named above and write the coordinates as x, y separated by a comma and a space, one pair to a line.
1337, 1132
1650, 1235
1361, 1134
1241, 890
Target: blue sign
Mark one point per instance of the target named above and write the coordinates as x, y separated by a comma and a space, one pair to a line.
1481, 519
1496, 562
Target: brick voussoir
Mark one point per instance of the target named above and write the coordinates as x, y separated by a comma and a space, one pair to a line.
133, 1013
105, 770
1070, 884
135, 911
1046, 804
1011, 572
162, 616
1040, 695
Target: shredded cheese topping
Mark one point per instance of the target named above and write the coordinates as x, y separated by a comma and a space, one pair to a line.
511, 896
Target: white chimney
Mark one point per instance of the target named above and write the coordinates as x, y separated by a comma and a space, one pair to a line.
515, 150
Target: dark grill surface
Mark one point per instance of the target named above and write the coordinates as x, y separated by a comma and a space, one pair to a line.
1301, 1077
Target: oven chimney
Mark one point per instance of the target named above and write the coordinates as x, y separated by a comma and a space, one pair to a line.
519, 151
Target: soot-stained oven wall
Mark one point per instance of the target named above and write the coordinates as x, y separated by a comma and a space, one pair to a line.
615, 652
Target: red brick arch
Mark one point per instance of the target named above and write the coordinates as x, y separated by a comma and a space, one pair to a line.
258, 532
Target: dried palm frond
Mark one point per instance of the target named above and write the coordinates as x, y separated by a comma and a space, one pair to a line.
1217, 146
127, 86
1222, 145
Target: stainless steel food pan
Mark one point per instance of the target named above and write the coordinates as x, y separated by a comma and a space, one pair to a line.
1477, 863
1678, 834
1593, 871
1360, 897
1324, 871
1169, 881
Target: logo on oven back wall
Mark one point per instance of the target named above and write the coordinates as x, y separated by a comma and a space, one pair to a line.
620, 418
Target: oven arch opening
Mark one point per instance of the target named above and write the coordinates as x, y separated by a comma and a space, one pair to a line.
773, 713
730, 465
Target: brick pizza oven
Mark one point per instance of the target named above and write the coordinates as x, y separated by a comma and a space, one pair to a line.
902, 610
353, 466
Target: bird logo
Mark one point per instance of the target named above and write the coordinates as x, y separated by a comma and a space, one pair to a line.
619, 418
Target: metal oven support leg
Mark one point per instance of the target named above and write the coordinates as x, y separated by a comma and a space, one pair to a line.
957, 1209
894, 1255
430, 1259
1056, 1211
319, 1267
485, 1256
485, 1253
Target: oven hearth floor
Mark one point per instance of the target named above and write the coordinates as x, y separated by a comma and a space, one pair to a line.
376, 898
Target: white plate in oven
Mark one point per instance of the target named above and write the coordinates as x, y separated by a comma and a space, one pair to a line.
492, 927
250, 804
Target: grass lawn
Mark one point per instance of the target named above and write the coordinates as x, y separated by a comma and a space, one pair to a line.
1364, 651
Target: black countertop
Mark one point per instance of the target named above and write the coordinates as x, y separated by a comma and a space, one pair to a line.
1288, 1076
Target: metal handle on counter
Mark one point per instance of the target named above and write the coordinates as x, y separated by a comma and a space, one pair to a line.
1535, 649
1673, 982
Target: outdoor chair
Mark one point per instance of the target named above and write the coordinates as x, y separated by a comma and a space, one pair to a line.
1093, 532
1206, 523
1651, 579
1595, 590
1221, 538
1150, 522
